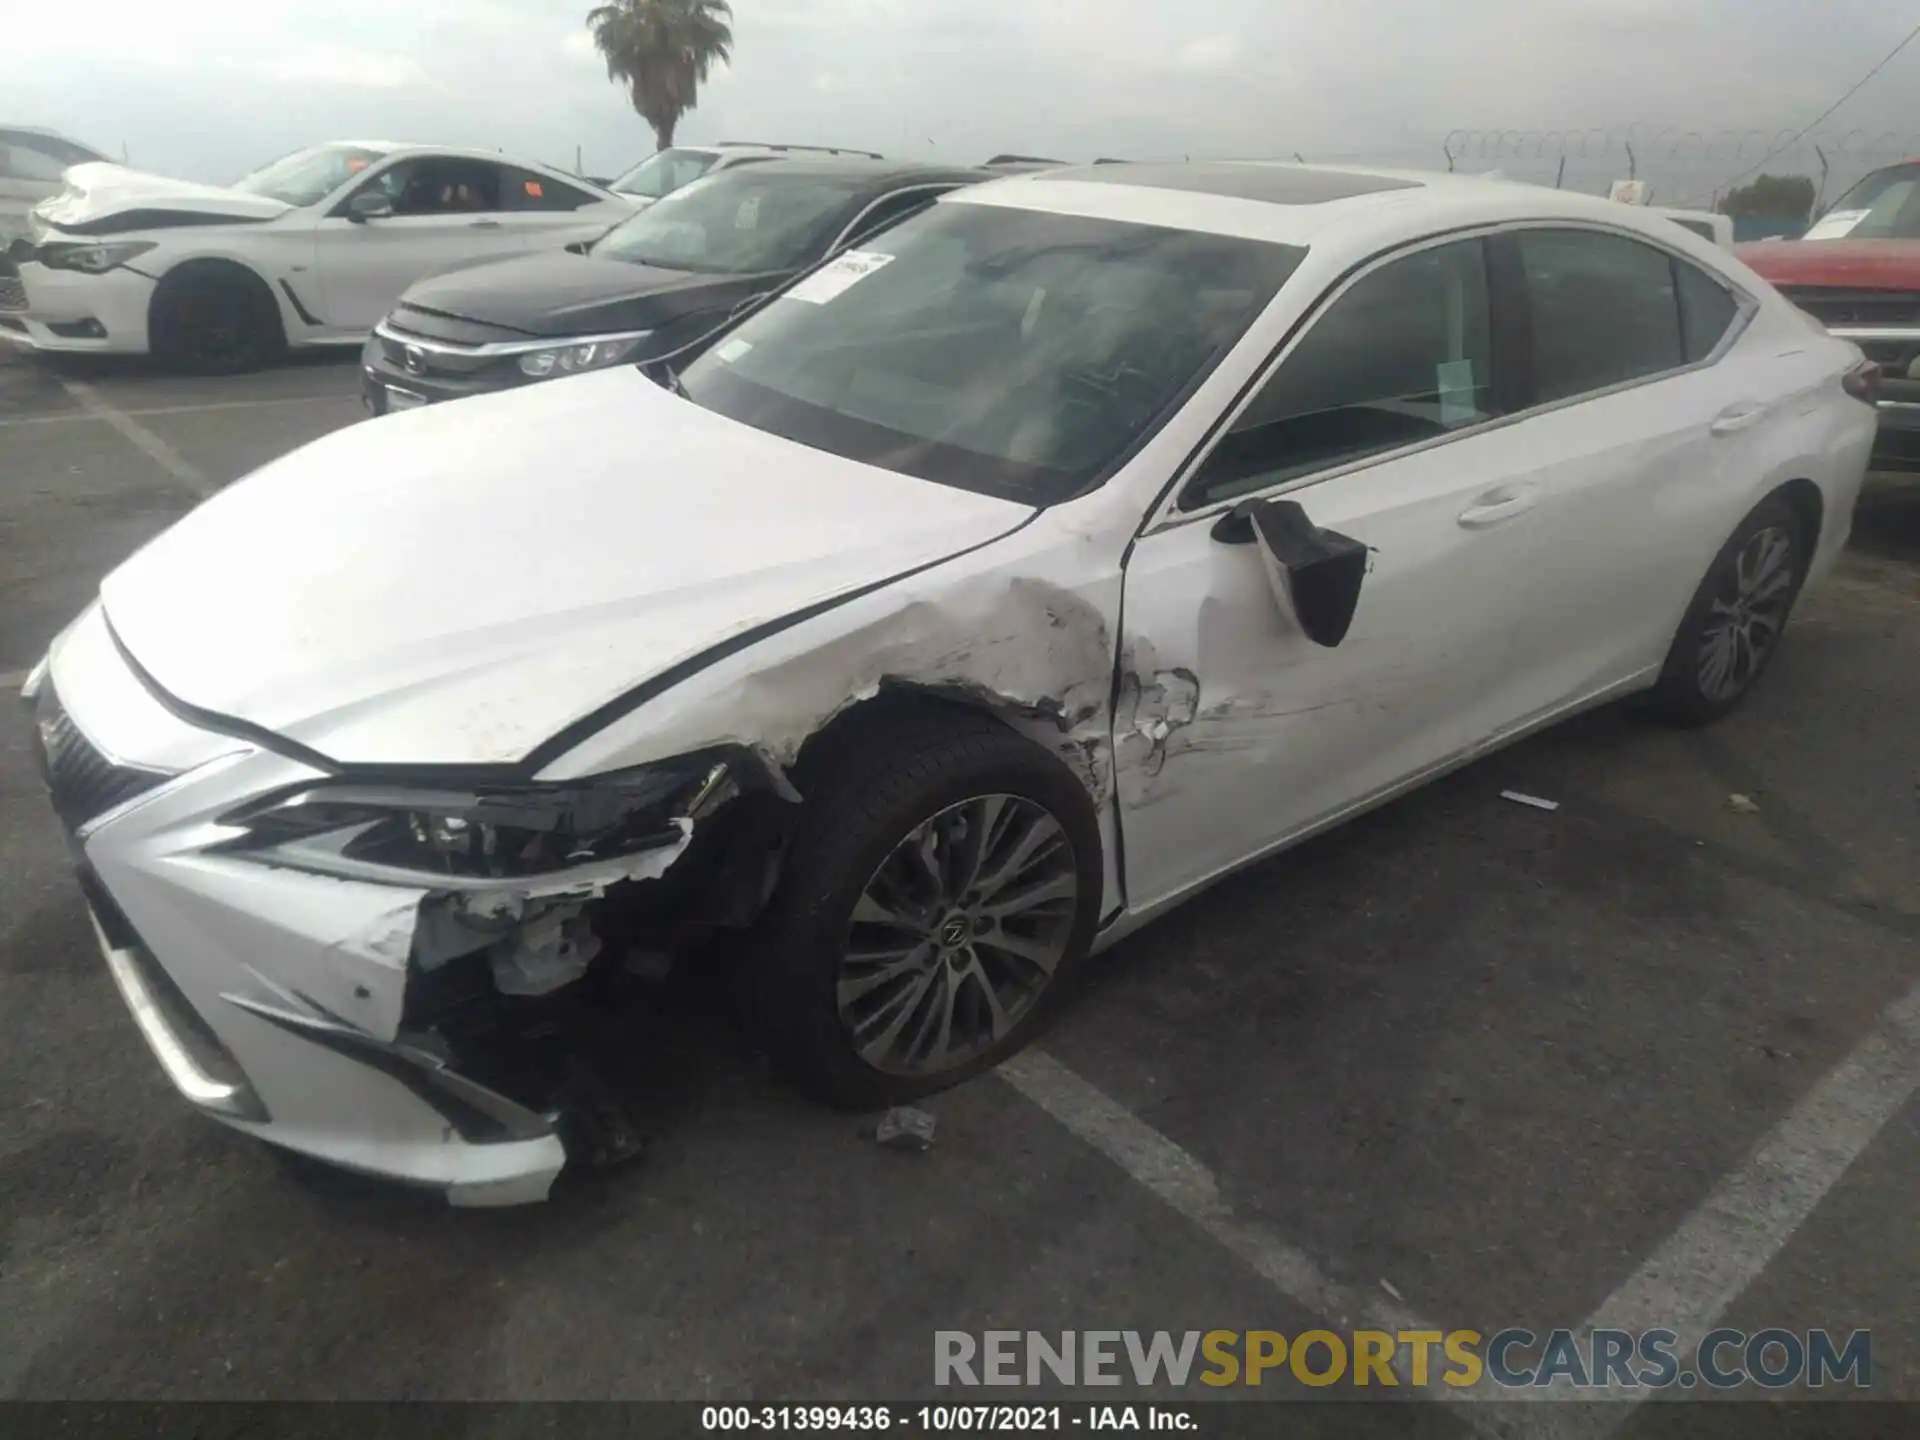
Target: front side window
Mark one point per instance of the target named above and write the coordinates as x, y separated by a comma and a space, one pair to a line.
665, 172
745, 221
1604, 311
1403, 355
1014, 352
38, 157
307, 177
439, 185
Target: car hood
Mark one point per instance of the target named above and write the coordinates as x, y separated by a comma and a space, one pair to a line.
1856, 264
97, 193
456, 584
559, 293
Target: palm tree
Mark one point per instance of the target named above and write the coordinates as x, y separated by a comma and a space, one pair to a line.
661, 50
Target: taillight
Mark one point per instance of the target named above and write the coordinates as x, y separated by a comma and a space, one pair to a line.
1863, 382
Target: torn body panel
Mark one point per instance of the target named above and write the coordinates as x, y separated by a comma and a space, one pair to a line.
1024, 629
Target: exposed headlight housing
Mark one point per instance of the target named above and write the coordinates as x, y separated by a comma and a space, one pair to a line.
574, 356
92, 259
458, 837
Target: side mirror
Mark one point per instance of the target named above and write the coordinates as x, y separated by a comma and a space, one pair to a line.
1314, 573
368, 205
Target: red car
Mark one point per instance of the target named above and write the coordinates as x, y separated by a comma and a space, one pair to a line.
1857, 271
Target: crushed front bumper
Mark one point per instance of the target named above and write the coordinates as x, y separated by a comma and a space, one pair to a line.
68, 312
273, 999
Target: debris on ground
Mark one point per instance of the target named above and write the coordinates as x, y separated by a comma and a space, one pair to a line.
1534, 800
1743, 805
905, 1128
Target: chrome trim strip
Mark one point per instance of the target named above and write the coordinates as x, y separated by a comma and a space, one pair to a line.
237, 1102
498, 348
1873, 332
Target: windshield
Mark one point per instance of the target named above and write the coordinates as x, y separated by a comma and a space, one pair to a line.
1014, 352
1884, 206
742, 221
665, 172
308, 176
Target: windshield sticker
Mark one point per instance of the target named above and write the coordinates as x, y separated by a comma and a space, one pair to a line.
731, 351
1835, 225
842, 275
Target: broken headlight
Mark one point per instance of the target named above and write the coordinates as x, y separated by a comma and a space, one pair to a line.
480, 833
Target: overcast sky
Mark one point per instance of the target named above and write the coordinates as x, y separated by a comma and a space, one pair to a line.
208, 88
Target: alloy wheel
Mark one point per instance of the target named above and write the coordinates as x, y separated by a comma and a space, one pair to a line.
1744, 621
957, 934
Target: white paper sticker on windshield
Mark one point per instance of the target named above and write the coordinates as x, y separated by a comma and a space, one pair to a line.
1835, 225
849, 270
731, 351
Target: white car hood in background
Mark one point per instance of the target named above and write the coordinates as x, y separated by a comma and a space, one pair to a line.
100, 189
458, 583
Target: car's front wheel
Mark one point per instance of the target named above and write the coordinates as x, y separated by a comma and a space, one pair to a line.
941, 892
213, 318
1733, 626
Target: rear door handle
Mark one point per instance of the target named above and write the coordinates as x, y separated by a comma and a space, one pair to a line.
1737, 417
1503, 502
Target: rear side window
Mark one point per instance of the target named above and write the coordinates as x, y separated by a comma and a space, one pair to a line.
1706, 310
529, 190
1604, 311
1405, 355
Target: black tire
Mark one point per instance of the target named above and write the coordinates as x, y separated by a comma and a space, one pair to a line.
211, 319
863, 801
1684, 694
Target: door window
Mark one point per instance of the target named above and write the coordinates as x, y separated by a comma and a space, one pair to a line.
439, 185
530, 190
1404, 355
1707, 308
1604, 311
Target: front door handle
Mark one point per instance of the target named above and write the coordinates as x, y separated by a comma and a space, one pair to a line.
483, 224
1737, 417
1503, 502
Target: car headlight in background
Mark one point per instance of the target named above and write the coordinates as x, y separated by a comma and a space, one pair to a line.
574, 356
92, 259
489, 833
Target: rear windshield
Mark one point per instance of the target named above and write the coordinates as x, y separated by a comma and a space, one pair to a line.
663, 173
1014, 352
741, 221
1884, 206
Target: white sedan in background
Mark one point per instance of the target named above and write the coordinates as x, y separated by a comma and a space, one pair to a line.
310, 250
1000, 585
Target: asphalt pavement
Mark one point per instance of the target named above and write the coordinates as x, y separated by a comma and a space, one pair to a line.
1464, 1059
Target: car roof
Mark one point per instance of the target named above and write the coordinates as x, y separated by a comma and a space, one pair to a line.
1298, 204
390, 148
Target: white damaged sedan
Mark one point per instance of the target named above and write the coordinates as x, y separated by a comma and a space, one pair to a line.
1000, 585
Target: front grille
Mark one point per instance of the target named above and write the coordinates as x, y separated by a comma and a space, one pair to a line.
83, 782
1832, 306
13, 294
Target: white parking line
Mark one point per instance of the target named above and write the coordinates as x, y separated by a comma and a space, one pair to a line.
1190, 1188
197, 408
1685, 1285
143, 439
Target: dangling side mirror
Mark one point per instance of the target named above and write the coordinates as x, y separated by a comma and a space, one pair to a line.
1315, 574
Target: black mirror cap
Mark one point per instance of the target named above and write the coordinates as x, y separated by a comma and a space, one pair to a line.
1324, 569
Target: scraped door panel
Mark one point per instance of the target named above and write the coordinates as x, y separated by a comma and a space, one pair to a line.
1234, 730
